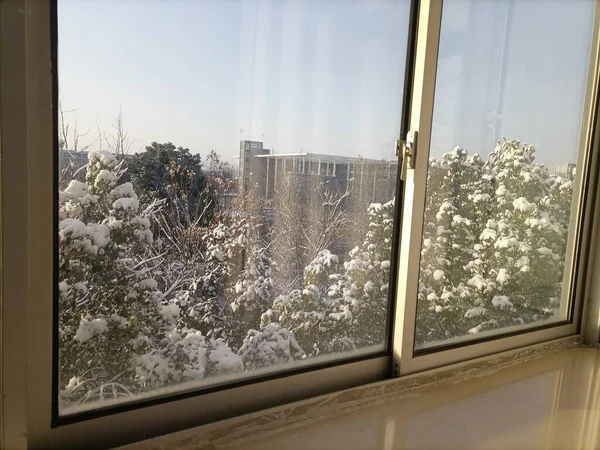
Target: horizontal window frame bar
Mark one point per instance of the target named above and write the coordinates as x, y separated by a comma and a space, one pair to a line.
498, 333
440, 358
147, 399
136, 424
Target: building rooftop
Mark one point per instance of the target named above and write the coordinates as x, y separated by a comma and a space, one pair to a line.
315, 157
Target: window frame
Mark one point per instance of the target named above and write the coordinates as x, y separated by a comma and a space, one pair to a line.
29, 159
28, 90
407, 359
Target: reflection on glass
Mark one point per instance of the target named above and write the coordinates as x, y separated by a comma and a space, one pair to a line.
507, 117
234, 216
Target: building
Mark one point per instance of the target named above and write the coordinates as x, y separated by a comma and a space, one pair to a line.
363, 180
316, 198
250, 168
76, 158
565, 170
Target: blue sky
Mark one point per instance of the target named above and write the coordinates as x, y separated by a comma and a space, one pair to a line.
322, 76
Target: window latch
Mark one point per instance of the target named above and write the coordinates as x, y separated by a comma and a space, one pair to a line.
406, 149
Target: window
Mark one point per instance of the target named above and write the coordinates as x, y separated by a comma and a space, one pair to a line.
502, 175
204, 214
192, 286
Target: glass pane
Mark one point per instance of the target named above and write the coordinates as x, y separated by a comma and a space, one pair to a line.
507, 118
226, 189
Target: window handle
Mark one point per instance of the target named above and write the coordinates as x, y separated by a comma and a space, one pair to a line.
407, 150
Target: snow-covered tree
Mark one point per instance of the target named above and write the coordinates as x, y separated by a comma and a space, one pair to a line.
107, 302
361, 292
310, 314
268, 347
206, 296
494, 242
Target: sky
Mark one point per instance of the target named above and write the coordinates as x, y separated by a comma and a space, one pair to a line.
322, 76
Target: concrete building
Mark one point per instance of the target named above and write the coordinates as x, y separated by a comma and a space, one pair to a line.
251, 169
565, 170
365, 180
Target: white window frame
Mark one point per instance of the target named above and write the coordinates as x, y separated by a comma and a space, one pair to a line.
26, 142
406, 359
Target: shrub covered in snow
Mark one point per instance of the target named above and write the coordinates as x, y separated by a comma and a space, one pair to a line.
494, 242
155, 297
269, 346
118, 333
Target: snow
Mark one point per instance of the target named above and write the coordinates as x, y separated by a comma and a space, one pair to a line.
345, 314
105, 177
438, 274
459, 219
102, 156
217, 253
522, 204
483, 326
123, 190
114, 224
385, 265
143, 222
524, 247
153, 367
506, 242
523, 261
375, 208
502, 302
75, 190
481, 198
475, 312
503, 277
121, 322
81, 287
529, 177
432, 296
447, 295
127, 204
478, 282
170, 312
353, 265
74, 382
566, 186
488, 234
501, 191
87, 237
324, 260
144, 235
225, 360
90, 328
445, 208
544, 251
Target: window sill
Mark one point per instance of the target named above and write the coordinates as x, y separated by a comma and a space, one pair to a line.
325, 406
